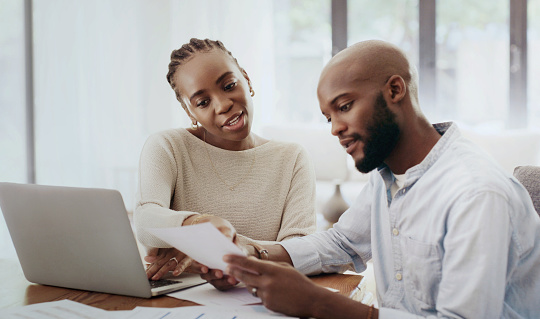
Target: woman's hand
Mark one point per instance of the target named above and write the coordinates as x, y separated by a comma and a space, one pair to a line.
223, 225
163, 260
215, 277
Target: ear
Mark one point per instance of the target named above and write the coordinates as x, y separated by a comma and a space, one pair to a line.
184, 106
246, 76
191, 117
396, 88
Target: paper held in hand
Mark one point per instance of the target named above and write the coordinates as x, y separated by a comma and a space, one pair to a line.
202, 242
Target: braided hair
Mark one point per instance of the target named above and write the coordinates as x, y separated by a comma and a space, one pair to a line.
188, 51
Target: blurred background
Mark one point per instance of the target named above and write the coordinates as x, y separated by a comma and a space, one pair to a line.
82, 83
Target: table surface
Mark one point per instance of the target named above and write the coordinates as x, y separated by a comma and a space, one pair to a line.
17, 291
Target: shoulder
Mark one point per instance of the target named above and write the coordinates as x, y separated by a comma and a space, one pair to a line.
469, 171
285, 149
169, 138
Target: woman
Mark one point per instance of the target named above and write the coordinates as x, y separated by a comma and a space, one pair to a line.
218, 171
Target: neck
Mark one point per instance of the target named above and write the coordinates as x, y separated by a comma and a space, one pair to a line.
415, 143
244, 144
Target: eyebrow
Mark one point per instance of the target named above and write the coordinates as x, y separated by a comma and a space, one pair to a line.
336, 98
224, 75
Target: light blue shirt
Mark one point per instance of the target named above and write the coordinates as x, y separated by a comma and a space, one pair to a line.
460, 239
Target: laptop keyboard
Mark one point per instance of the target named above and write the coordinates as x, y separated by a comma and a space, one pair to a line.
162, 282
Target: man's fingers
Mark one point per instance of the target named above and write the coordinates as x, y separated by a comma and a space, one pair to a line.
198, 268
213, 274
244, 276
250, 264
223, 283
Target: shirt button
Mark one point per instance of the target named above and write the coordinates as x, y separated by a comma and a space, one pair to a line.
395, 231
398, 276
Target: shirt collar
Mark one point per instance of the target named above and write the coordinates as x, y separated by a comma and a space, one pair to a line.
449, 132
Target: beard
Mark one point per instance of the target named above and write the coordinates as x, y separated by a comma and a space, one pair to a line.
383, 135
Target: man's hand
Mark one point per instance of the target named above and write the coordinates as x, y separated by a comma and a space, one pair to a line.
219, 280
279, 285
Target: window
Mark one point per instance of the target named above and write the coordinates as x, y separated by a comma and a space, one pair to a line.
12, 92
395, 21
472, 61
533, 42
12, 104
99, 71
302, 46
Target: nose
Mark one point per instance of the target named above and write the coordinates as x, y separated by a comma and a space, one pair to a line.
338, 127
222, 104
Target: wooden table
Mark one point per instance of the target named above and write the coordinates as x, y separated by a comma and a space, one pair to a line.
17, 291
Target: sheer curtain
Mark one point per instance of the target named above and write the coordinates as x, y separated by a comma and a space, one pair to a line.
12, 103
100, 84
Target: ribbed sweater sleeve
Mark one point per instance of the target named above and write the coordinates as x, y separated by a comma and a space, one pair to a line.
158, 172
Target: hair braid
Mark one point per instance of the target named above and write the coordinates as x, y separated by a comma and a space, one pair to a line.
186, 53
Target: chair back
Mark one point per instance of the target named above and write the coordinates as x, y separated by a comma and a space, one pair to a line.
529, 176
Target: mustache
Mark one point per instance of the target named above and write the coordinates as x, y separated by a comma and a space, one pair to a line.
355, 136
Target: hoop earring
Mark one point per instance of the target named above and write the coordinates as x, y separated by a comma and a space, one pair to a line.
194, 126
251, 92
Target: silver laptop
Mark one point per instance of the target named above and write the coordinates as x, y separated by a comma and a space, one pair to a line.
79, 238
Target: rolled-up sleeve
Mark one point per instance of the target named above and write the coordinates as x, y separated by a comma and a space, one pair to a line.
345, 246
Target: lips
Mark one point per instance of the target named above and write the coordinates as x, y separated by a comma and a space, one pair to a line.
349, 143
345, 142
231, 121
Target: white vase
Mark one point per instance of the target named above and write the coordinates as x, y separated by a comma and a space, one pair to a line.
335, 206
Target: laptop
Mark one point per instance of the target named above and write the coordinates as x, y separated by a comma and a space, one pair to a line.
79, 238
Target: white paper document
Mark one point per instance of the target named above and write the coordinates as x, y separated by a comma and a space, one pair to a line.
59, 310
204, 312
67, 309
208, 295
202, 242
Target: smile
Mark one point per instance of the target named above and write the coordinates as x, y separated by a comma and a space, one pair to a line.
235, 122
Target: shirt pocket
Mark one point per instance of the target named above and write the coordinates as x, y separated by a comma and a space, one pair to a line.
422, 272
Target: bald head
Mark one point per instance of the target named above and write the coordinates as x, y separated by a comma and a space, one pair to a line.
373, 61
369, 93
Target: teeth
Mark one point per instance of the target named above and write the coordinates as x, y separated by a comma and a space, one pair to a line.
236, 119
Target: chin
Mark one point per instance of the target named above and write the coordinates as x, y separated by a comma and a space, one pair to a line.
366, 166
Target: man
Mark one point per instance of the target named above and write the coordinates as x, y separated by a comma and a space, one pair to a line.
450, 234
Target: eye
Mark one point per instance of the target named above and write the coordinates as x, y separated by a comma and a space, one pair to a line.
328, 120
203, 103
345, 107
230, 86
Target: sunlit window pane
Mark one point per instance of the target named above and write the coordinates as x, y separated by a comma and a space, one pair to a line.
395, 21
12, 92
533, 40
472, 61
12, 105
302, 45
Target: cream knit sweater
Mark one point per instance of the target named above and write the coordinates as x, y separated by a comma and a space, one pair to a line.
274, 199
